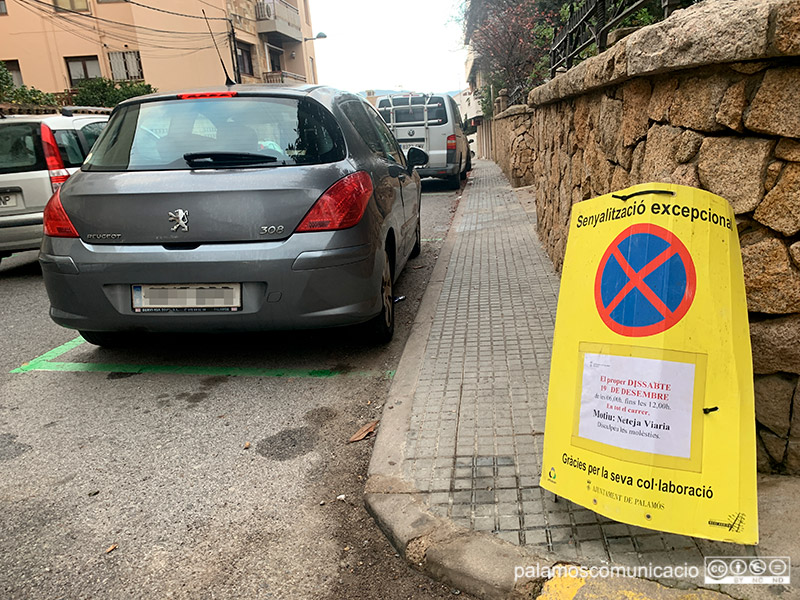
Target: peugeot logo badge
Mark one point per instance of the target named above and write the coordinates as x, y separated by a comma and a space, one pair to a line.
181, 219
411, 133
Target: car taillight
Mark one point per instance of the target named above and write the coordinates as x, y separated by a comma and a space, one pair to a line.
55, 166
56, 221
451, 142
341, 206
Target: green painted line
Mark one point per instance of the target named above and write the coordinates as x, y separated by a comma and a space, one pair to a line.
45, 362
198, 370
432, 239
48, 356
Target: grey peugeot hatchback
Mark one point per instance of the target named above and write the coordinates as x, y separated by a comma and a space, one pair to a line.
240, 208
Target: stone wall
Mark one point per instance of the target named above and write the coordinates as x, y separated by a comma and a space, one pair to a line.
708, 98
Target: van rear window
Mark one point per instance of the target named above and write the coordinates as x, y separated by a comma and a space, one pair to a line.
412, 109
20, 148
156, 135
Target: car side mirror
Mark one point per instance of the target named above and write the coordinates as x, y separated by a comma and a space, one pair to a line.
416, 158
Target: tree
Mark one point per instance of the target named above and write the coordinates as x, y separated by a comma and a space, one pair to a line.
513, 40
100, 91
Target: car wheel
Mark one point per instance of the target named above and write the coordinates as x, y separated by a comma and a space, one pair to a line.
104, 339
381, 328
415, 251
469, 163
455, 179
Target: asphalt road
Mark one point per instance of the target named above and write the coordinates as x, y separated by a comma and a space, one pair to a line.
196, 467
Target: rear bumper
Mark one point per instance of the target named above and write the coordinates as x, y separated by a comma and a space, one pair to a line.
446, 171
283, 286
20, 232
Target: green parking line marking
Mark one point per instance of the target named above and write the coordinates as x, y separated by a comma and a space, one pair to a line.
45, 362
432, 239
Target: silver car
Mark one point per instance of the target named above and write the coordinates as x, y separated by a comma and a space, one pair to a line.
234, 209
37, 154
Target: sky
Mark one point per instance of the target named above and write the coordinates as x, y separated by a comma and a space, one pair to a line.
414, 45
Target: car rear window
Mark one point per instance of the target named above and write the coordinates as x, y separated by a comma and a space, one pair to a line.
20, 148
412, 109
156, 135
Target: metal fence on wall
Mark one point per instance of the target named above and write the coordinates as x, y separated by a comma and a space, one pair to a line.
589, 24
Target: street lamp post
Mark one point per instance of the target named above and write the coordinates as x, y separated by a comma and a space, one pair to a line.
319, 36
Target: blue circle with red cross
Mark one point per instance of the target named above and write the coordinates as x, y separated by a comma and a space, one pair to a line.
645, 282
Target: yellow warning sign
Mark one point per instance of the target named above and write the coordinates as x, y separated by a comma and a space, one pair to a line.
650, 415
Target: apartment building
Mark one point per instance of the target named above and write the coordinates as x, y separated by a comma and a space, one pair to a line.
53, 44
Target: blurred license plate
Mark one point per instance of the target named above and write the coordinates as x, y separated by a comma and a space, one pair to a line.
407, 146
224, 297
9, 199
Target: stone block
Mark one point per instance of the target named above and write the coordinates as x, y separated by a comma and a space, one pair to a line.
659, 159
774, 395
776, 446
793, 457
763, 462
774, 170
697, 101
775, 109
731, 109
776, 344
780, 209
689, 145
788, 149
733, 168
794, 252
705, 33
661, 99
636, 100
686, 175
771, 280
786, 36
609, 125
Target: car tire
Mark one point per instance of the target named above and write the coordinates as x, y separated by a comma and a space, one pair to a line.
381, 327
455, 179
104, 339
415, 251
469, 164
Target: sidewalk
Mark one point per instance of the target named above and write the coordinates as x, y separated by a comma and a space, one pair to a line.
454, 475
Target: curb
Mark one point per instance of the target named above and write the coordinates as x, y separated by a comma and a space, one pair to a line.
477, 563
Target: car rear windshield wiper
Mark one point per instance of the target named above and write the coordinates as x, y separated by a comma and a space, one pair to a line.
211, 160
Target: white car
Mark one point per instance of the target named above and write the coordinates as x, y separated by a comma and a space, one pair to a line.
433, 123
37, 154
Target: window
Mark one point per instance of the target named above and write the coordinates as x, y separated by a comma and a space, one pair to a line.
156, 135
125, 65
379, 142
71, 4
13, 68
91, 131
82, 67
244, 54
3, 9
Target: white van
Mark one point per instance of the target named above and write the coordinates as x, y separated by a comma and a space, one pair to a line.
433, 123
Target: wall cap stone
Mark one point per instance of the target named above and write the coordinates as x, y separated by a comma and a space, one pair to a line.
708, 33
512, 111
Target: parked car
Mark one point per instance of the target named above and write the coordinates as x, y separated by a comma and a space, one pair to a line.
250, 207
37, 154
431, 122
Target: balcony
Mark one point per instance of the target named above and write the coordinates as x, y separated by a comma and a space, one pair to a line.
282, 77
280, 18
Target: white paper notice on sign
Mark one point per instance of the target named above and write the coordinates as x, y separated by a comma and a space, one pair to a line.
638, 404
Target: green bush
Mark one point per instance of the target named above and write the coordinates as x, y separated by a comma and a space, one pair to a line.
100, 91
23, 94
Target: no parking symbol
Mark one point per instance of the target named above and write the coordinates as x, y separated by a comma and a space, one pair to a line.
645, 282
